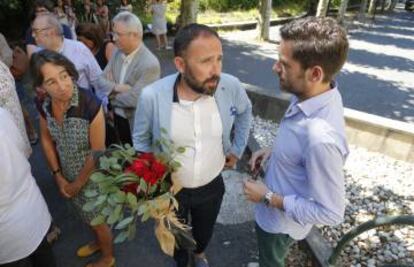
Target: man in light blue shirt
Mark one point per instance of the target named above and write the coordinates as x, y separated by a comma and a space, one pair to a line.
304, 181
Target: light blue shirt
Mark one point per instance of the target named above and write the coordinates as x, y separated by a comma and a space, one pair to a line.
306, 167
154, 113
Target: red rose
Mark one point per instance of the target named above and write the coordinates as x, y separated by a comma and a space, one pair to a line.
138, 167
159, 169
130, 188
150, 177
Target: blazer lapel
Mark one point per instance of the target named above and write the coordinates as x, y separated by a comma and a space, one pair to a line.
118, 67
133, 65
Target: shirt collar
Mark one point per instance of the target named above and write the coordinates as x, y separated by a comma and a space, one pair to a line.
130, 56
313, 104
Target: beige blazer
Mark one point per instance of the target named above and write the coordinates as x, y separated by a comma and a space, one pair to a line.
143, 70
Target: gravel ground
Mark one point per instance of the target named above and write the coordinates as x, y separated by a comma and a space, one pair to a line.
376, 185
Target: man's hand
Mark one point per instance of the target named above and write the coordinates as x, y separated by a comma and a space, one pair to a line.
255, 190
62, 183
259, 157
72, 189
231, 161
121, 88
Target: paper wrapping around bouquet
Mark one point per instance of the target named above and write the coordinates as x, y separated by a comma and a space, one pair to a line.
176, 186
166, 218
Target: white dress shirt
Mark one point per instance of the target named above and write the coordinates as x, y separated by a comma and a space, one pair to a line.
197, 126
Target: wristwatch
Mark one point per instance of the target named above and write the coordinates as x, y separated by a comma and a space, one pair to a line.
54, 172
267, 199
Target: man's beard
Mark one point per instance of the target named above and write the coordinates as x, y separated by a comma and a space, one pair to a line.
201, 87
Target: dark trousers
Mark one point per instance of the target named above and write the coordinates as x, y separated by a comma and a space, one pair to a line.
273, 248
203, 205
123, 129
42, 257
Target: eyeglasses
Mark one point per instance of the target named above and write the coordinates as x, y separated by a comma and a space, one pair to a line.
119, 34
38, 31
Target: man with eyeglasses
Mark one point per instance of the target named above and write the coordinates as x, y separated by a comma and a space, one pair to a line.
132, 67
42, 7
48, 34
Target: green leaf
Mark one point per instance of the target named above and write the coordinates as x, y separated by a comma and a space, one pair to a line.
107, 211
98, 177
100, 219
146, 216
101, 199
153, 188
181, 149
121, 237
132, 200
164, 131
175, 164
89, 206
124, 223
142, 209
143, 185
115, 215
132, 229
116, 166
165, 187
119, 196
90, 193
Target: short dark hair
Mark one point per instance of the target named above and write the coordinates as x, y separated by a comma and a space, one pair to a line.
92, 32
317, 41
49, 5
48, 56
189, 33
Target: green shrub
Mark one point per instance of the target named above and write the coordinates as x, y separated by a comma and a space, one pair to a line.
227, 5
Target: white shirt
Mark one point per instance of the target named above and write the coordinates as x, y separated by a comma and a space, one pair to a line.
125, 64
24, 216
197, 126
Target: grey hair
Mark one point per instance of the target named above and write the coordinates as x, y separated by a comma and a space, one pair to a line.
130, 20
53, 22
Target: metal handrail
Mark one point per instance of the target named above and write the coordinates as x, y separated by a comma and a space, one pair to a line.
374, 223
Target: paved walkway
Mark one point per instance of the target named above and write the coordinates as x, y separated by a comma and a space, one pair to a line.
378, 78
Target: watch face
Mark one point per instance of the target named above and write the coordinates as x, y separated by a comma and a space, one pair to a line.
268, 198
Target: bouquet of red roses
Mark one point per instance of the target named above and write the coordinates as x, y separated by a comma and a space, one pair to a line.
132, 186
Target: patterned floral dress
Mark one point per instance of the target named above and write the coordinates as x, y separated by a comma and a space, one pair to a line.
72, 140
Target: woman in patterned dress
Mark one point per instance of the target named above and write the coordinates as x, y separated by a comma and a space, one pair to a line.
71, 127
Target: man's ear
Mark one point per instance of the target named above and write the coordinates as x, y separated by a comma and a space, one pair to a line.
315, 74
179, 64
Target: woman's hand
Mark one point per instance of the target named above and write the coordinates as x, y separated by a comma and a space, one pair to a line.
72, 189
62, 183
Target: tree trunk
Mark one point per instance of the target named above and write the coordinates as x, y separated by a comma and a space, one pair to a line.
264, 19
372, 6
362, 9
322, 8
342, 11
188, 12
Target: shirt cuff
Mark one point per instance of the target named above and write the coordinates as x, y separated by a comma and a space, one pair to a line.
289, 207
